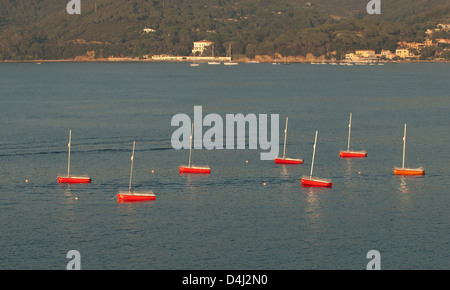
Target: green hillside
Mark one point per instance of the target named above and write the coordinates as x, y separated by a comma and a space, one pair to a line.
409, 11
42, 29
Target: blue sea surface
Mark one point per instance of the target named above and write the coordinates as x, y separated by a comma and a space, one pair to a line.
244, 215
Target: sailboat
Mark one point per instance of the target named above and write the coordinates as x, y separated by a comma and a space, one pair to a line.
72, 179
407, 171
284, 160
230, 62
212, 54
132, 195
191, 168
348, 153
275, 60
315, 181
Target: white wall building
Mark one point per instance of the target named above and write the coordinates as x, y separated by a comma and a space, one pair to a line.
200, 46
388, 54
148, 30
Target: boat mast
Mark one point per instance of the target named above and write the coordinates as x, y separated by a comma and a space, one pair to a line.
190, 147
131, 170
68, 160
349, 130
314, 154
285, 134
404, 147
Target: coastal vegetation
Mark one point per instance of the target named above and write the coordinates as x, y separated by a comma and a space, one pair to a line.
43, 29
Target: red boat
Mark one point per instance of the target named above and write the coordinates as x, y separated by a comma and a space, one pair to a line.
348, 153
288, 161
191, 168
123, 196
284, 159
407, 171
315, 181
194, 169
72, 179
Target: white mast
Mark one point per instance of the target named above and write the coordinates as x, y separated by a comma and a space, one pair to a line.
131, 171
190, 147
314, 154
349, 130
68, 160
229, 51
285, 134
404, 147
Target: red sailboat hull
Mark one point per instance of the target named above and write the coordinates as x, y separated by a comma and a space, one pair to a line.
204, 170
74, 179
288, 161
124, 197
316, 182
409, 171
352, 154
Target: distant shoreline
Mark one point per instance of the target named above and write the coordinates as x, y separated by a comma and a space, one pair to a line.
130, 60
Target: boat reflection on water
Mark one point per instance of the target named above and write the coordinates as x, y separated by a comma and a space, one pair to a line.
314, 210
284, 171
403, 188
404, 194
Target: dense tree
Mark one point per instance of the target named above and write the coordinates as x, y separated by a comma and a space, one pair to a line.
42, 29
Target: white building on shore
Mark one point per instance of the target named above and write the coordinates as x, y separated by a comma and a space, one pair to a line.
387, 54
200, 46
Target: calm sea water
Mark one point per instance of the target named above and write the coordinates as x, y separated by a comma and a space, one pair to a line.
229, 219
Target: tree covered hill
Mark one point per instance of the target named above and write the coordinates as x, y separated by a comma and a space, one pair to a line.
409, 11
42, 29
